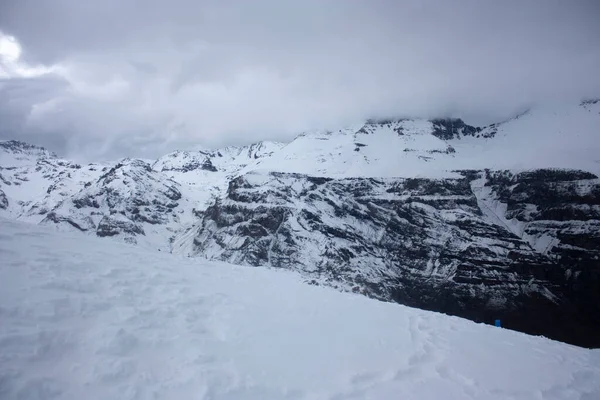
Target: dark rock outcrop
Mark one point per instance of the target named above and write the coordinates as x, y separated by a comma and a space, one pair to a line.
3, 200
17, 147
207, 165
428, 243
124, 197
451, 128
83, 224
109, 226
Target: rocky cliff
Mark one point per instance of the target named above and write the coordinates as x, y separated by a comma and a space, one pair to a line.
489, 244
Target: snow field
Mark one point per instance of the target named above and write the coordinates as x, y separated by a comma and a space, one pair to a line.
85, 318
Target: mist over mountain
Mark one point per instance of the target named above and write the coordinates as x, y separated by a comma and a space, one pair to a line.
500, 221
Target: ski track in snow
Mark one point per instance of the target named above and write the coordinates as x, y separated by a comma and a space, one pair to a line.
83, 318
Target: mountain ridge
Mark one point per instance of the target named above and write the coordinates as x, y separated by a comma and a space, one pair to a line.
478, 222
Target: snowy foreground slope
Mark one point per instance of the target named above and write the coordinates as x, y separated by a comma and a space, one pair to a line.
85, 318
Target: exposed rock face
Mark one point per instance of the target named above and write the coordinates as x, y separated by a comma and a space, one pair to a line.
442, 128
228, 159
82, 224
207, 165
184, 161
124, 198
558, 213
37, 180
17, 147
451, 128
426, 242
3, 200
373, 125
110, 226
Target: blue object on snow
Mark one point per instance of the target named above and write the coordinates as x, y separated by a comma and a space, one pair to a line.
497, 323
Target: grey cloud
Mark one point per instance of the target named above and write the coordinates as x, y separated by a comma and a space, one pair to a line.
144, 77
18, 99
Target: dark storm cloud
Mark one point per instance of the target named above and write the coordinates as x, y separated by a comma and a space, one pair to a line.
143, 77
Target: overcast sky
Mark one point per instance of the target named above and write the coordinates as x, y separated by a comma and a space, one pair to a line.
99, 79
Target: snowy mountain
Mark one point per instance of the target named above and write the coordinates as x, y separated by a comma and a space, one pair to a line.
129, 200
34, 180
205, 174
85, 318
524, 247
540, 138
488, 222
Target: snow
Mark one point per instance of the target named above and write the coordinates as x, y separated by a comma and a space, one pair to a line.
84, 318
493, 209
382, 152
36, 182
17, 153
560, 136
563, 136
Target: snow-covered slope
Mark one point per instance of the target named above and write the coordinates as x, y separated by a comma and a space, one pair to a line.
565, 137
16, 153
88, 319
401, 148
34, 180
130, 201
205, 174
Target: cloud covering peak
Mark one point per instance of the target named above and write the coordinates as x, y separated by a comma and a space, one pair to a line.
98, 79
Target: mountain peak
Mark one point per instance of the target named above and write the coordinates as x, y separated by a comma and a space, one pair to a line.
22, 150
